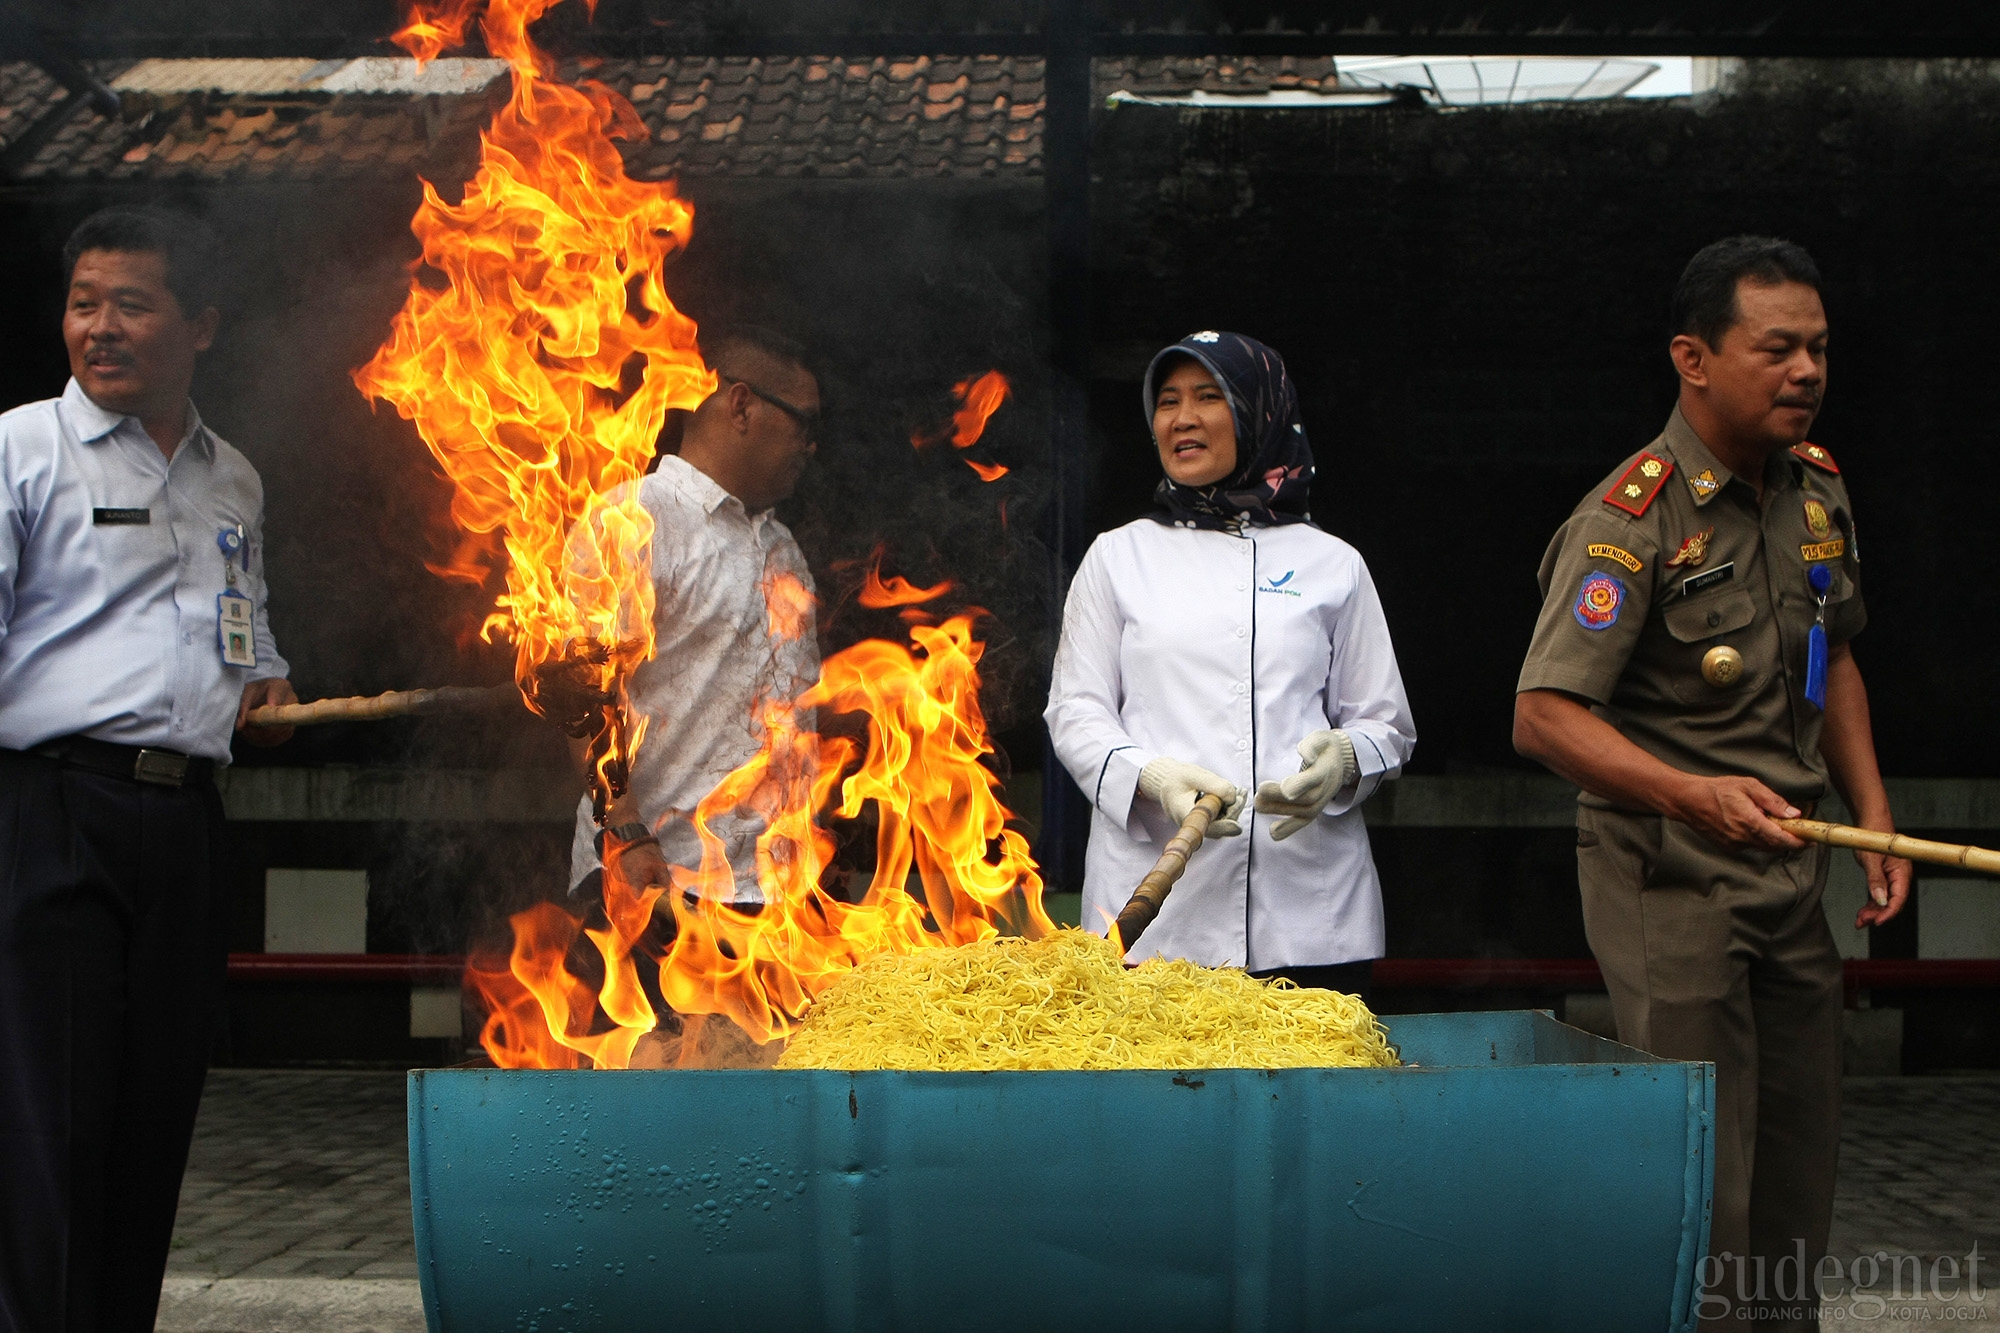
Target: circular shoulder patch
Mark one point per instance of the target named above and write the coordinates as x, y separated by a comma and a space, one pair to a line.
1598, 600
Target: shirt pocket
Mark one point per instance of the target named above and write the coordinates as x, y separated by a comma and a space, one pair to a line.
1703, 623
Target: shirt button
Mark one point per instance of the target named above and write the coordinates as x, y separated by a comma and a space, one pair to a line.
1243, 745
1714, 619
1239, 632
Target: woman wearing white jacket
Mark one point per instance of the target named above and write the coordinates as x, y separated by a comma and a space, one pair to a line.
1225, 644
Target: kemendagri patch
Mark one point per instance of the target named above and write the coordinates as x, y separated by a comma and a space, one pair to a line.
1598, 601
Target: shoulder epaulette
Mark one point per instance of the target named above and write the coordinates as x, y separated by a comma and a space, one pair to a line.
1634, 491
1818, 457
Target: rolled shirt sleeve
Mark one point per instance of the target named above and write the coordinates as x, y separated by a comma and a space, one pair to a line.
1593, 607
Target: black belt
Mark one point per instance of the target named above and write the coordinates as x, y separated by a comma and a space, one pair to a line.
134, 763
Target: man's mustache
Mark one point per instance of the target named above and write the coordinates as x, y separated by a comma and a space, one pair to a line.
1809, 401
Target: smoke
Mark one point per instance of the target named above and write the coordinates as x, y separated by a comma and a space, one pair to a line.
899, 293
703, 1041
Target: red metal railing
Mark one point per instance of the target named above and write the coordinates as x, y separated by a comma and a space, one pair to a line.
1552, 974
1568, 974
416, 968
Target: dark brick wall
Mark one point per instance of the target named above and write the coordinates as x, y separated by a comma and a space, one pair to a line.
1473, 304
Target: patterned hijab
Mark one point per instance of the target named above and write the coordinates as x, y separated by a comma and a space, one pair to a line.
1274, 459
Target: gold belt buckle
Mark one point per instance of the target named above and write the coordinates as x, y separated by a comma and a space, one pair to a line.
163, 767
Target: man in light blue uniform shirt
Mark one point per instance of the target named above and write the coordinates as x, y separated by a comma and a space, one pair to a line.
133, 642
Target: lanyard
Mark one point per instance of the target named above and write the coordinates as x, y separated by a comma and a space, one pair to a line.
234, 626
1820, 579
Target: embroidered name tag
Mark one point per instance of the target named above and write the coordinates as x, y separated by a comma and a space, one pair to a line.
120, 517
1606, 551
1694, 583
1832, 550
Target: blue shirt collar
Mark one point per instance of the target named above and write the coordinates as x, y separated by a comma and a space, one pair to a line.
93, 423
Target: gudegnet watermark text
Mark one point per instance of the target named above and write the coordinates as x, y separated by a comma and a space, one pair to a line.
1900, 1288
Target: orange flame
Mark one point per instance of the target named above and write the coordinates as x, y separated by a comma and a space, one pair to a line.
978, 400
981, 398
435, 29
787, 605
896, 590
538, 354
940, 820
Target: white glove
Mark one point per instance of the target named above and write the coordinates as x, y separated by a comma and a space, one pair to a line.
1177, 786
1327, 766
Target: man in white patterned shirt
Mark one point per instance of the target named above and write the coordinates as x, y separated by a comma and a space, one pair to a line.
716, 548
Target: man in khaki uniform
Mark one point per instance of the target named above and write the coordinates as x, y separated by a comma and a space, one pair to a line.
1674, 677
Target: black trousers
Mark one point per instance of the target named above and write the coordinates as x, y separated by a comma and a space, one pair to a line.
113, 949
1357, 978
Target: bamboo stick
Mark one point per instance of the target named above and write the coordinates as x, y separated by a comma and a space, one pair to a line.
1152, 892
373, 708
1894, 844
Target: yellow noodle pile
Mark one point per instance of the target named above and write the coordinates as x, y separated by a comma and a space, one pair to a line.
1068, 1002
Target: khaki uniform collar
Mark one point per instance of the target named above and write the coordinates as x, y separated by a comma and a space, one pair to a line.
1704, 477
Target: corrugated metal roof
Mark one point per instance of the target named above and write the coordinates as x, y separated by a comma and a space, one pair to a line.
223, 76
395, 76
450, 76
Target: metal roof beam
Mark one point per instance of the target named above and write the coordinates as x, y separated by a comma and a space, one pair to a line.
21, 40
331, 28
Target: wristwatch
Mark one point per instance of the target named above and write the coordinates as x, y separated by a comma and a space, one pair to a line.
625, 835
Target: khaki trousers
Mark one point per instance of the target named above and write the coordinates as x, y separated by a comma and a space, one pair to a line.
1724, 956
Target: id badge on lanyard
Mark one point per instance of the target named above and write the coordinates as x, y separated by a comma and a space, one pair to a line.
235, 630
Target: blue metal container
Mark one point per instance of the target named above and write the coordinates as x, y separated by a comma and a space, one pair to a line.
1519, 1174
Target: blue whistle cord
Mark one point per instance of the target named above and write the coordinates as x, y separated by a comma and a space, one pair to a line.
1816, 667
1820, 579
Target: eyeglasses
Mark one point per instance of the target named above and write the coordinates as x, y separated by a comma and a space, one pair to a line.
808, 421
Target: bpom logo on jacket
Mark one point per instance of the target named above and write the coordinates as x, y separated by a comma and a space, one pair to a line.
1277, 585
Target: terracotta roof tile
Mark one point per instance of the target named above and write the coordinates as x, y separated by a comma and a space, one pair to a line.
822, 116
26, 93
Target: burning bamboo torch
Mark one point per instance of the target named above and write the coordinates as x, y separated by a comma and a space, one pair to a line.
375, 707
538, 354
565, 692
